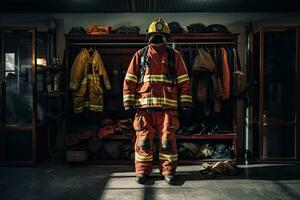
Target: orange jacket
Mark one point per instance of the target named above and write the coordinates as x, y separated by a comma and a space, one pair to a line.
157, 90
225, 75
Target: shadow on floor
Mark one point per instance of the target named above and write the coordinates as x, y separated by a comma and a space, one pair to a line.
93, 181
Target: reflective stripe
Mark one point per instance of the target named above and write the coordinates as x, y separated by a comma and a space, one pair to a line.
83, 82
90, 107
183, 78
78, 110
186, 98
89, 77
129, 97
143, 158
156, 101
96, 106
167, 157
131, 77
156, 78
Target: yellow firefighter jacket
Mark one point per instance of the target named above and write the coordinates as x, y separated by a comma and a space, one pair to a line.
85, 82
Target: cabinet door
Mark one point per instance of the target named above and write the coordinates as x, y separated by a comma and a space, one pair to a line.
279, 53
2, 83
18, 99
19, 76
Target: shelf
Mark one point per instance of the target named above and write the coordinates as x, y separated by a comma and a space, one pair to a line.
110, 162
51, 68
202, 136
141, 37
25, 127
54, 94
180, 162
55, 116
55, 68
196, 162
228, 136
119, 137
17, 128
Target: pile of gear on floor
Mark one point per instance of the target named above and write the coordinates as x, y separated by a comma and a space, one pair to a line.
219, 169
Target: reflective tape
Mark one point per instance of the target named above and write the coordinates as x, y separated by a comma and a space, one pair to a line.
131, 77
78, 110
183, 78
129, 97
143, 158
91, 78
186, 98
168, 157
95, 108
156, 101
156, 78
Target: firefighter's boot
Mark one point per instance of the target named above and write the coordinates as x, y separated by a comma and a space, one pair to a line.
140, 178
170, 179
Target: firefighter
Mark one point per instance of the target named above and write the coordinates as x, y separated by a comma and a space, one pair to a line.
156, 83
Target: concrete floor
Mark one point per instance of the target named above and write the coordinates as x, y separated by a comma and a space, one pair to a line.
62, 182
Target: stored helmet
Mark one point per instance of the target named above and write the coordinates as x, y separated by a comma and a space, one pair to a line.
159, 26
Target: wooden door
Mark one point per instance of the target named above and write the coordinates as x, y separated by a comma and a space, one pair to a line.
279, 93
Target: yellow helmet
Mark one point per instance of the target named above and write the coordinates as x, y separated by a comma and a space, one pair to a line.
159, 26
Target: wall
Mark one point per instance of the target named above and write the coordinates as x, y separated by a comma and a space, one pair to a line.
234, 21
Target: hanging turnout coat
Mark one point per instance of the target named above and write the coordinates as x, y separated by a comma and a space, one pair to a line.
85, 81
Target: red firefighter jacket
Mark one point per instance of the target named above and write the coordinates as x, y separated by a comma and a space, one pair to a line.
156, 89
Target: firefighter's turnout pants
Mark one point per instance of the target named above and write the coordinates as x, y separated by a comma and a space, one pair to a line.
148, 125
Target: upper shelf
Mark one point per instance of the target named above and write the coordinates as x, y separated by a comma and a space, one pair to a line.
229, 136
188, 37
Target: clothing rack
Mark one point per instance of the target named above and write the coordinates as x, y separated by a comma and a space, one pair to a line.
123, 47
144, 43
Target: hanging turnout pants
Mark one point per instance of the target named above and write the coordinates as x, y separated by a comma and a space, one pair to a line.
148, 125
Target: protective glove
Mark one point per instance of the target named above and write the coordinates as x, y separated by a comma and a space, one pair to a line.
186, 116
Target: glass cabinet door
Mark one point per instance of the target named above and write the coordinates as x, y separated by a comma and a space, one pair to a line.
278, 92
19, 76
2, 83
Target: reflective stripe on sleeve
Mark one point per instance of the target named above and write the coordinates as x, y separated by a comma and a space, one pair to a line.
186, 98
131, 77
183, 78
129, 97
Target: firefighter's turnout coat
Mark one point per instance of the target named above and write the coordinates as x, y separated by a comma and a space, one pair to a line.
85, 76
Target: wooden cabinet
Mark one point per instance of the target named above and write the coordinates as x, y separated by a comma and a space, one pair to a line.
122, 47
22, 132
